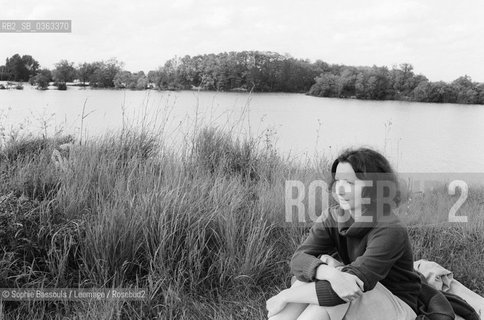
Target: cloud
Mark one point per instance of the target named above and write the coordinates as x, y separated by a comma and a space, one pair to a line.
441, 38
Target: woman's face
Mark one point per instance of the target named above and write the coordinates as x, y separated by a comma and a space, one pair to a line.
345, 179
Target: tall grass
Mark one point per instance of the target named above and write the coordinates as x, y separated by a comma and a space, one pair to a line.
201, 228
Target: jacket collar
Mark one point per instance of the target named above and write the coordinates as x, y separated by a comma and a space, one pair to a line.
348, 227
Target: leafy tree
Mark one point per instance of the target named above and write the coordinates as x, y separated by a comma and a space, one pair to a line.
64, 72
422, 91
463, 82
31, 65
480, 93
466, 90
21, 68
122, 79
142, 82
325, 85
85, 71
400, 78
441, 92
42, 79
4, 75
345, 84
154, 77
126, 79
360, 85
378, 83
104, 73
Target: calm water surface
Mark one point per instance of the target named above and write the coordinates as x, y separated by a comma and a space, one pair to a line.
417, 137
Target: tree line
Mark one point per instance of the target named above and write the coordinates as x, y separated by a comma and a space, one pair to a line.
398, 83
252, 71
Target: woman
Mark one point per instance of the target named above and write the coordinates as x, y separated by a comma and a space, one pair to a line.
375, 278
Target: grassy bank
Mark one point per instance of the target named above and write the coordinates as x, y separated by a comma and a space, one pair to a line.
202, 228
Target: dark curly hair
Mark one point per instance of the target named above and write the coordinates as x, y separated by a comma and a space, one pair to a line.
370, 165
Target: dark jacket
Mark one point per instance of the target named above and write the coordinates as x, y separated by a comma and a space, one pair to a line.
377, 251
437, 305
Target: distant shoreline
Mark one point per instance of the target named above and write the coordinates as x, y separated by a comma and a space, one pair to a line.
253, 71
52, 87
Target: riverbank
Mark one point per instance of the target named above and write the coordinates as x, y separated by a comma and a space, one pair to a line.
202, 228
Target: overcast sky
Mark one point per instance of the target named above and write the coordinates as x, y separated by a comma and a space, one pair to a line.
442, 39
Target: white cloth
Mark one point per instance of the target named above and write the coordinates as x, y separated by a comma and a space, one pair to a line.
437, 276
378, 303
443, 280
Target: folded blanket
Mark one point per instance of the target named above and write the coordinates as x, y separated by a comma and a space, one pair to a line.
442, 279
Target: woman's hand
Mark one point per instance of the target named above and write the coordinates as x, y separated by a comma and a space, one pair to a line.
347, 286
330, 261
275, 304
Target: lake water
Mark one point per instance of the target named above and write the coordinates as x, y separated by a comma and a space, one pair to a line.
417, 137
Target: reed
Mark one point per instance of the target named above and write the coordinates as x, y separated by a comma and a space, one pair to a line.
202, 227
